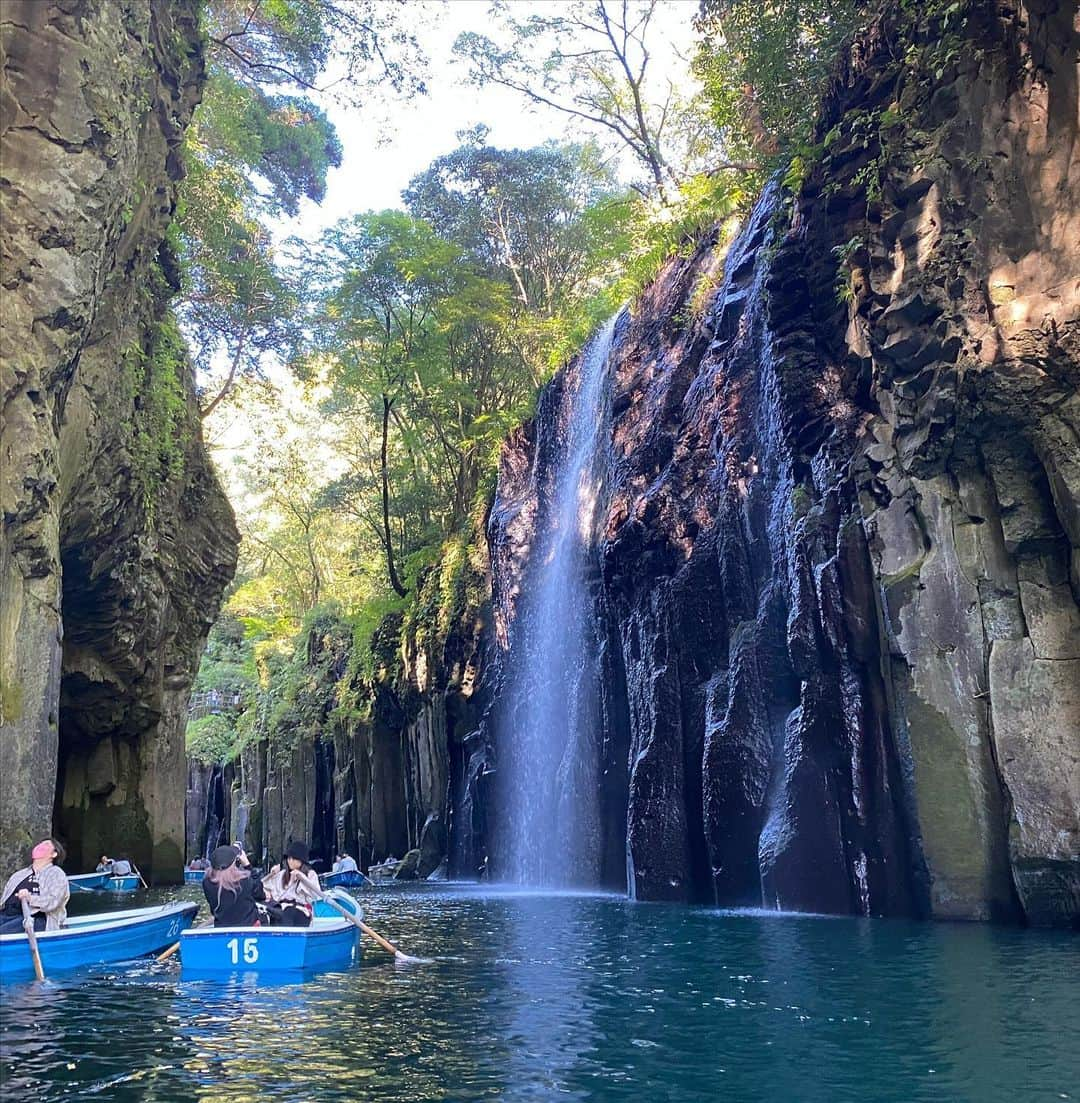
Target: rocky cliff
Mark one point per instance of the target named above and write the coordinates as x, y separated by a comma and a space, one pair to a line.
836, 566
839, 566
366, 753
117, 540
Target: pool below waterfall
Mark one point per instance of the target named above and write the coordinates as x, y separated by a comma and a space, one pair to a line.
549, 996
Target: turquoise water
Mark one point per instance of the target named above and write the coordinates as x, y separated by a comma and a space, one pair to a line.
538, 997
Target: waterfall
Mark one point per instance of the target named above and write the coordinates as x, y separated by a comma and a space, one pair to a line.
548, 720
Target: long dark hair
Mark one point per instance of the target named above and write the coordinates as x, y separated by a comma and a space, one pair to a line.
227, 878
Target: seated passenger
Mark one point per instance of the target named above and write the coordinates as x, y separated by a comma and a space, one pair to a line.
293, 889
43, 885
231, 891
345, 864
105, 865
121, 867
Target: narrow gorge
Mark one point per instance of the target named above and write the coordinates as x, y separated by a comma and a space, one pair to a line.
775, 602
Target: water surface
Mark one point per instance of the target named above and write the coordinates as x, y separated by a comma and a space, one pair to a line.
547, 996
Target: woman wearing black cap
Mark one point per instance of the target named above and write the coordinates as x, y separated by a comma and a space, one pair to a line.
231, 891
293, 889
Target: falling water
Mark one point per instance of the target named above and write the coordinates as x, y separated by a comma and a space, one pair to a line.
548, 744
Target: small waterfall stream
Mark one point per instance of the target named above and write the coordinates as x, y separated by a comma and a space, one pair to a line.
547, 724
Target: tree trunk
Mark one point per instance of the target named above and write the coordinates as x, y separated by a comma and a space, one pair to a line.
388, 542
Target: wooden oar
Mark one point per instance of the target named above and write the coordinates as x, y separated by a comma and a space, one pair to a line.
31, 936
389, 947
138, 873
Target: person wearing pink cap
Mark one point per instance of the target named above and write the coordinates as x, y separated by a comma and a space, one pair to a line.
43, 885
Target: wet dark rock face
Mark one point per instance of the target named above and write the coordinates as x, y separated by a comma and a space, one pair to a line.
840, 568
117, 539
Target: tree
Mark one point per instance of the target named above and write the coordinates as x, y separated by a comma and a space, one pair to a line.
521, 214
592, 60
764, 67
375, 318
257, 146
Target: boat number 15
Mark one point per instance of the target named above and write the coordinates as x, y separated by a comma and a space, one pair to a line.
249, 948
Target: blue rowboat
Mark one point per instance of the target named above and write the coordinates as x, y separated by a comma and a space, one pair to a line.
194, 876
94, 939
348, 878
87, 882
329, 943
127, 883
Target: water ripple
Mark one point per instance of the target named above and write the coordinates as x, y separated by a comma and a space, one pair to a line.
533, 997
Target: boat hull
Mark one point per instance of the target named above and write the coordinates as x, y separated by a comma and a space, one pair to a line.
350, 878
96, 939
87, 882
127, 883
194, 876
218, 951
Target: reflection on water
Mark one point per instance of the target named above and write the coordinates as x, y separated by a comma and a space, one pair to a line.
541, 996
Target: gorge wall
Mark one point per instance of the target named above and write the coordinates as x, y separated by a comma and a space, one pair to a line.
837, 562
117, 539
840, 564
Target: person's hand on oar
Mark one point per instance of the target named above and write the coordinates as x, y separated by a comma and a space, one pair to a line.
357, 921
31, 936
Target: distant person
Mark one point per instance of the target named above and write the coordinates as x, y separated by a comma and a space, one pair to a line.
197, 864
121, 867
231, 891
105, 865
292, 889
345, 864
43, 885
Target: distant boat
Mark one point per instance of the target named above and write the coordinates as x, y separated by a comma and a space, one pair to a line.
96, 939
87, 882
194, 876
346, 878
384, 871
103, 882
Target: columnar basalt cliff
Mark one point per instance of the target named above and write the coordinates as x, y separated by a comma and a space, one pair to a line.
117, 540
840, 568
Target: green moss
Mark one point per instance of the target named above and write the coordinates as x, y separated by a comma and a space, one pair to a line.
153, 381
11, 701
210, 739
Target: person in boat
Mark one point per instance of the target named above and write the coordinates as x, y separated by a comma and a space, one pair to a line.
105, 865
292, 888
43, 884
345, 864
197, 864
233, 894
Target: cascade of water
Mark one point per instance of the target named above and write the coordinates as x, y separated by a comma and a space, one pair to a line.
548, 745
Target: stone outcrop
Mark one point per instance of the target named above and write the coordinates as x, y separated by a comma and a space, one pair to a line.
839, 568
117, 540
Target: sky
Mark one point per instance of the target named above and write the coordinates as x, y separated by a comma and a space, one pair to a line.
380, 160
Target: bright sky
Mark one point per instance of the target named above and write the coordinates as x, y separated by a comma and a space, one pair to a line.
376, 167
383, 152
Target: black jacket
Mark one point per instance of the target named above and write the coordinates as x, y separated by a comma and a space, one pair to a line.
236, 909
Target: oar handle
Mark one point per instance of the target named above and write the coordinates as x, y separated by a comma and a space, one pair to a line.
31, 937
